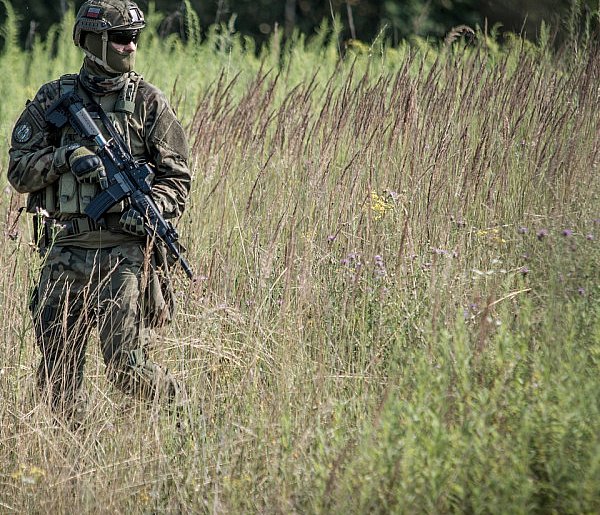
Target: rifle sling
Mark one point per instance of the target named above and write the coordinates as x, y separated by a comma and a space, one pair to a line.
108, 124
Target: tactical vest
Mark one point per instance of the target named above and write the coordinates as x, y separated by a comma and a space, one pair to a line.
67, 196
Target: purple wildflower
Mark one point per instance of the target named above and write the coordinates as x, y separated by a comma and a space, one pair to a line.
331, 238
523, 230
581, 291
380, 271
542, 233
524, 270
567, 233
590, 237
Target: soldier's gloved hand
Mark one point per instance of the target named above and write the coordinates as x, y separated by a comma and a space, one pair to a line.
133, 222
85, 165
60, 161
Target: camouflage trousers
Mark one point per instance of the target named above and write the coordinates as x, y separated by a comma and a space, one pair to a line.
82, 289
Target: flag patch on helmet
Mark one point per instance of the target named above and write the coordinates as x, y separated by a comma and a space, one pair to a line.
93, 12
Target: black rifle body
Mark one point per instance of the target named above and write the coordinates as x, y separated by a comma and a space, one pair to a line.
125, 177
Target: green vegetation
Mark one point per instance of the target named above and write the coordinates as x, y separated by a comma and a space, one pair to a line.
361, 19
397, 307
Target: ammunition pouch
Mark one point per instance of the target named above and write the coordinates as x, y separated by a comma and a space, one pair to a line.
74, 197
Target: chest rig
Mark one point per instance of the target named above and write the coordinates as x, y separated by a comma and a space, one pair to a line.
68, 196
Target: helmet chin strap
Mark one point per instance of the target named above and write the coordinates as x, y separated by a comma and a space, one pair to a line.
104, 61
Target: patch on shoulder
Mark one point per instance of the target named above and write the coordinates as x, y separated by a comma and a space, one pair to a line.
23, 132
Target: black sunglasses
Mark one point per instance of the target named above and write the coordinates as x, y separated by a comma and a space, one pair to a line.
124, 37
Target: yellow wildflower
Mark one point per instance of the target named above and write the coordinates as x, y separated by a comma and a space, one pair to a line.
492, 235
28, 475
379, 205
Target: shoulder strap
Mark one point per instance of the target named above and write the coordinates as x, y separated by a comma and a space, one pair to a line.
67, 83
108, 124
126, 101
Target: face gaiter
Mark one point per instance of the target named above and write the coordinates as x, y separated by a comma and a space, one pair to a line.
100, 50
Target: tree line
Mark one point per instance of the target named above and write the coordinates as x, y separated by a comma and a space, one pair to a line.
361, 19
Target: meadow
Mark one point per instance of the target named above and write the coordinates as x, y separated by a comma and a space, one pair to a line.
396, 307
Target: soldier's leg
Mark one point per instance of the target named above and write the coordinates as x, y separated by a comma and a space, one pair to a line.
127, 361
60, 331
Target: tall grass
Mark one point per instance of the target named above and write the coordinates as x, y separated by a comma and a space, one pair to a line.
396, 307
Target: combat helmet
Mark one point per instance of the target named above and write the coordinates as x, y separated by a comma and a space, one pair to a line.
102, 18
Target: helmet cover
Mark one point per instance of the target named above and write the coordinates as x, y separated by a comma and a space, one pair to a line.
99, 16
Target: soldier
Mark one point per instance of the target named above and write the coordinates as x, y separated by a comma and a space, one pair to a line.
107, 277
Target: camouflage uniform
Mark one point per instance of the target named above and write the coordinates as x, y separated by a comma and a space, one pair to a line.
99, 277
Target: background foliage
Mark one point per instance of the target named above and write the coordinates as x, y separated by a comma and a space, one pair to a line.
361, 19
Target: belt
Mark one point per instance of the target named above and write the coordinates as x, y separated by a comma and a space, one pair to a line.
82, 225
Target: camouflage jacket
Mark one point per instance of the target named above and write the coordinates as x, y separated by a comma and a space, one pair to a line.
38, 163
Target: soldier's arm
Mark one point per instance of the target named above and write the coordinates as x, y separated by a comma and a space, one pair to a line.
35, 160
169, 152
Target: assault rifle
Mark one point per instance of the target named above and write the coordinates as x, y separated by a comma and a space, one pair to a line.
125, 177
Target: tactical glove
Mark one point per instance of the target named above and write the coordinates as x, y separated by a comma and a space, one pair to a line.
133, 222
60, 161
85, 165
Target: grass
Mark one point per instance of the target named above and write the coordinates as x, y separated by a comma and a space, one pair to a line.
396, 307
